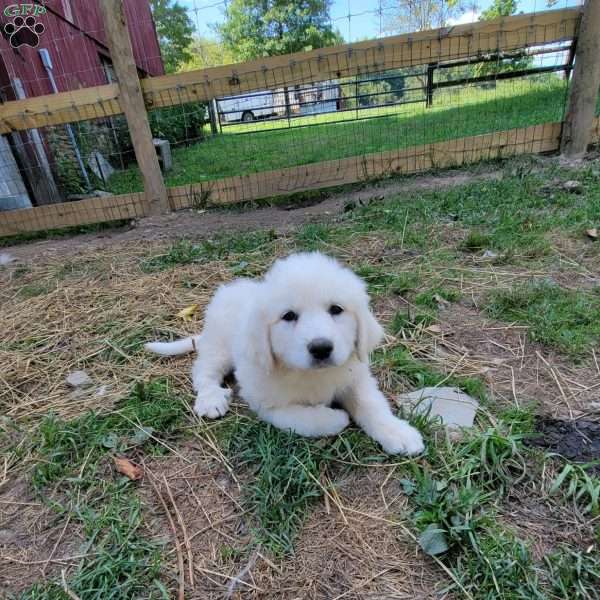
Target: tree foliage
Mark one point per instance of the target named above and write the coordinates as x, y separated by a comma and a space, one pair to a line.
175, 30
255, 28
499, 8
418, 15
207, 52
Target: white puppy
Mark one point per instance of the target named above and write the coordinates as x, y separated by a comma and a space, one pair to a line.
297, 340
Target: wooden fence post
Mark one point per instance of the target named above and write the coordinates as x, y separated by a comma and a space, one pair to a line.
132, 102
585, 82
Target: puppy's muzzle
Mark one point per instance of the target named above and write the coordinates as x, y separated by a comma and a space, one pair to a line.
320, 349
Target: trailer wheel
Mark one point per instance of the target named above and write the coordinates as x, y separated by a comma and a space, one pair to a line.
247, 116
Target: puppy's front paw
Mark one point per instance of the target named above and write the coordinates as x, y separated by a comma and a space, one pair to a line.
336, 422
398, 437
212, 403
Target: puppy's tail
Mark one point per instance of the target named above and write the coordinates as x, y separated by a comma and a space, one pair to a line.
183, 346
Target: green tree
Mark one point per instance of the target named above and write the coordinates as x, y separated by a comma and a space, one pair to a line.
405, 16
255, 28
499, 8
174, 28
207, 52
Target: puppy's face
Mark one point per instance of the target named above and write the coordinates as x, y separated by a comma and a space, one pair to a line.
316, 314
314, 335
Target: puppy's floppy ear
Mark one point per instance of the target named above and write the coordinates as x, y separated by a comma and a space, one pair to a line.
370, 331
256, 339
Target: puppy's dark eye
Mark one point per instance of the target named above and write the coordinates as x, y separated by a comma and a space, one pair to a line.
290, 315
335, 309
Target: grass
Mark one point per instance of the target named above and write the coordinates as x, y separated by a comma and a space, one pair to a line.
185, 252
472, 112
120, 561
564, 319
512, 216
286, 471
150, 411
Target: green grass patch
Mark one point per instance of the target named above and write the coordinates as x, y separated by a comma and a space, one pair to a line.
120, 561
510, 216
472, 112
434, 297
564, 319
150, 410
419, 374
32, 290
185, 252
574, 575
476, 241
286, 471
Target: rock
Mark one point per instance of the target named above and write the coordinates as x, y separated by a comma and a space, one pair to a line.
6, 259
572, 186
101, 391
453, 406
591, 233
7, 536
79, 379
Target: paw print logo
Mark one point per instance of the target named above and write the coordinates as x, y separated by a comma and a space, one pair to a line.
24, 32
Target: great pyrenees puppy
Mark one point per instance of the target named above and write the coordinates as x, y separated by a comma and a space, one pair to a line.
298, 342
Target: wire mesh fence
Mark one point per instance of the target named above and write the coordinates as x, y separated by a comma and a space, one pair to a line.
272, 126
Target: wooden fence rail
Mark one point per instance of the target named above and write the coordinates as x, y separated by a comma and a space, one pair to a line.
407, 50
229, 190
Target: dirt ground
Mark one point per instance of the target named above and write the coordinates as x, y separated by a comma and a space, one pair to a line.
199, 224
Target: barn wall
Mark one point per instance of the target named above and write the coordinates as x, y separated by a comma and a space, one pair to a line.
76, 47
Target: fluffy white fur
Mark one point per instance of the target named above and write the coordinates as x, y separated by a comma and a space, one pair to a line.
280, 379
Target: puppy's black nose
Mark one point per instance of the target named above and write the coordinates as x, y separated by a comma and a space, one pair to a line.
320, 348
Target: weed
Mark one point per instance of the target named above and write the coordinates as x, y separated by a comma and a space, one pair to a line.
556, 317
149, 410
575, 482
574, 575
184, 252
476, 241
433, 298
454, 512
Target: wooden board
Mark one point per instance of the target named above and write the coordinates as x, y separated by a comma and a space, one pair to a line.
440, 155
451, 153
66, 107
132, 103
70, 214
459, 42
585, 82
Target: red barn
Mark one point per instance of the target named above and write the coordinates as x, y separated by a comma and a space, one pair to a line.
71, 54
